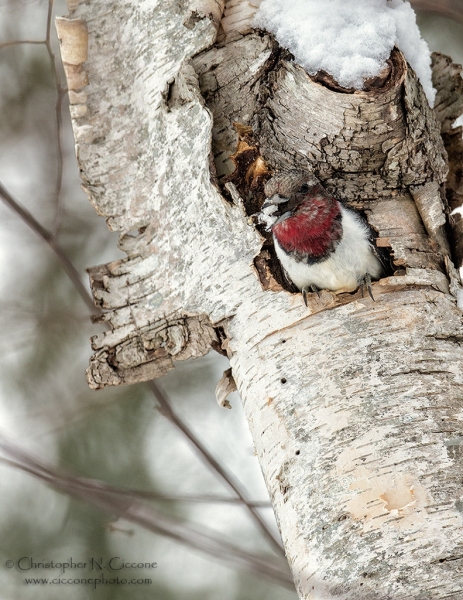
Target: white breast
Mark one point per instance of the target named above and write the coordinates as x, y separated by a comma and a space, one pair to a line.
345, 268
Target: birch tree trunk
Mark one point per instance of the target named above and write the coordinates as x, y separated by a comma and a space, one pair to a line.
354, 406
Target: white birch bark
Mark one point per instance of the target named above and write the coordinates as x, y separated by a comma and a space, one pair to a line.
354, 407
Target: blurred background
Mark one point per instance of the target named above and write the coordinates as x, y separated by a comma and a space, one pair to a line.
79, 438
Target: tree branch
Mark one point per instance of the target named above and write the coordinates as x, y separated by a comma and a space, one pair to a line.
446, 8
167, 410
162, 398
67, 265
60, 93
111, 499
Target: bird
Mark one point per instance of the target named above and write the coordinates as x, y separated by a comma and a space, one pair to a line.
320, 243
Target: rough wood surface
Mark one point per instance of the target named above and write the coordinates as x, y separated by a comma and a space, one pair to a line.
354, 406
448, 82
237, 17
382, 144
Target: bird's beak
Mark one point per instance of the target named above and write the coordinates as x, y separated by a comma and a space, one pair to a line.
282, 218
274, 200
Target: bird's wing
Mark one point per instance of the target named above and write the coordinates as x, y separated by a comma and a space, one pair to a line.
381, 253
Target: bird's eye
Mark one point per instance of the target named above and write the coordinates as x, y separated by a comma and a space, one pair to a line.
304, 188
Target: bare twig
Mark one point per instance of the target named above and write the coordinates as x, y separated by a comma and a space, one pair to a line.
20, 42
162, 398
167, 410
67, 265
194, 498
446, 8
60, 93
100, 494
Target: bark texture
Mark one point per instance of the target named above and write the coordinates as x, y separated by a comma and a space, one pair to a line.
354, 406
447, 79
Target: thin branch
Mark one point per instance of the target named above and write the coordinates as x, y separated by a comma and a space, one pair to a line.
67, 265
231, 482
60, 93
446, 8
19, 42
207, 499
160, 395
110, 499
194, 498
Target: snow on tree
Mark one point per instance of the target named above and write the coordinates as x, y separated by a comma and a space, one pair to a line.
181, 112
350, 40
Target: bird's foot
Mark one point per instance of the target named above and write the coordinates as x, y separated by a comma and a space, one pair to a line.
309, 288
365, 282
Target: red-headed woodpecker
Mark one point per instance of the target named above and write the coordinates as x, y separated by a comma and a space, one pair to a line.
320, 243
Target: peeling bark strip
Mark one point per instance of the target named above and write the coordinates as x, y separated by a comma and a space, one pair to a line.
224, 388
73, 36
355, 411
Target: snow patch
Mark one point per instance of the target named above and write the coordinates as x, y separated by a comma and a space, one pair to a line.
349, 39
266, 216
